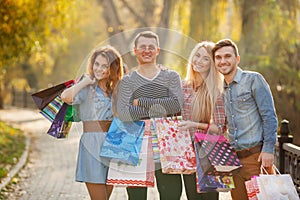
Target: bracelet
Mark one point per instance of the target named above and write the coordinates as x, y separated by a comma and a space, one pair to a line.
208, 125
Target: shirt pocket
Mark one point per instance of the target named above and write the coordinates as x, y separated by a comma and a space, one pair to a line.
101, 103
244, 101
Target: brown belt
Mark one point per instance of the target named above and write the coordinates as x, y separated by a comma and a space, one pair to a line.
96, 126
247, 152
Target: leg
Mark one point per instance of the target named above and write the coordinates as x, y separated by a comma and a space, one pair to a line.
250, 168
137, 193
191, 190
99, 191
169, 185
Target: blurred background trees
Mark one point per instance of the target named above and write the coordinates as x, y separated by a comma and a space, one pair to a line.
47, 42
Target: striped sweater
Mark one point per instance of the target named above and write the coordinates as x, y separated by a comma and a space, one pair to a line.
158, 97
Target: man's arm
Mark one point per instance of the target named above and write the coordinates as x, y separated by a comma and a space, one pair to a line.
266, 109
125, 109
168, 105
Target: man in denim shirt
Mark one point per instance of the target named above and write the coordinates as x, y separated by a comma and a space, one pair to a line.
250, 113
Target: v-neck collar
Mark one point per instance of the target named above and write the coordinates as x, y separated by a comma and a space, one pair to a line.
150, 79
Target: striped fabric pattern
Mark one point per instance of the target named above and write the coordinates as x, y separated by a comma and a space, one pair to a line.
52, 109
157, 97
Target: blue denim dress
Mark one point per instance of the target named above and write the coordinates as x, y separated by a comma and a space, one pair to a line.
92, 105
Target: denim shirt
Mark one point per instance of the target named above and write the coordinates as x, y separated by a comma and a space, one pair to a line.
91, 104
250, 112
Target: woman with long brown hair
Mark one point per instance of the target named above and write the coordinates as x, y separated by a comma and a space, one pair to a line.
92, 98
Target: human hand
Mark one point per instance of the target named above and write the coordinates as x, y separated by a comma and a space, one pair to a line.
135, 102
267, 159
88, 80
185, 125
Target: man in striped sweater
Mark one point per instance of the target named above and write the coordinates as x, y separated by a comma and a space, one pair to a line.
150, 92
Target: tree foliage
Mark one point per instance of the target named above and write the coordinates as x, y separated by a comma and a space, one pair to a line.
32, 34
39, 38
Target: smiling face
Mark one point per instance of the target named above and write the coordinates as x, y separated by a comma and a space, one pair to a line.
101, 67
201, 61
226, 61
146, 50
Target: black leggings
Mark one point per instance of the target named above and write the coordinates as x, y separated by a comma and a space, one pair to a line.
169, 187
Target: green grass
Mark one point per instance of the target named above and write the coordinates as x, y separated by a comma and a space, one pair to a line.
12, 145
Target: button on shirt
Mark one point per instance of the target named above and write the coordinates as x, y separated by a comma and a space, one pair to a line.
250, 111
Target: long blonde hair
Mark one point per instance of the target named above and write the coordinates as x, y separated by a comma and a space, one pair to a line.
210, 87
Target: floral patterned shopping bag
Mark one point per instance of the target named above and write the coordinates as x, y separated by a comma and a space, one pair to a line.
177, 154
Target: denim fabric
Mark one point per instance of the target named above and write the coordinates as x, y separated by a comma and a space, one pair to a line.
91, 104
250, 112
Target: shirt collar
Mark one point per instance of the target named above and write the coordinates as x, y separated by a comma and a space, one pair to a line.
237, 78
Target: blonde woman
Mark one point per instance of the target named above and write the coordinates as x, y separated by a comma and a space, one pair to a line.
92, 97
203, 107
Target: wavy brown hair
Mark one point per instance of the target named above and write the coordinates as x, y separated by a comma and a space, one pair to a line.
115, 65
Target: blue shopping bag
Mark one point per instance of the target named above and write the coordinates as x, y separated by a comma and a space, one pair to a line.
124, 141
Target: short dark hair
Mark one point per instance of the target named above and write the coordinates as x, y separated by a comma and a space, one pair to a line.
225, 43
146, 34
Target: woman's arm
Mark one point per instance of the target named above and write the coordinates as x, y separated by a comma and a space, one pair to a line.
68, 94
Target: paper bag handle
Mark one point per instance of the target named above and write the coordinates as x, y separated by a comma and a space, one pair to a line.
263, 170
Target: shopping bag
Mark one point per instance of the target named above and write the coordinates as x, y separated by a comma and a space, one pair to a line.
50, 104
59, 127
211, 183
276, 186
141, 175
51, 110
123, 141
216, 154
156, 153
253, 191
177, 154
71, 114
44, 97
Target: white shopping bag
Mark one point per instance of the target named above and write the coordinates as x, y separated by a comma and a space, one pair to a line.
142, 175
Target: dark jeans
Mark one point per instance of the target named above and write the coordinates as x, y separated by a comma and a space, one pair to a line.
169, 187
191, 190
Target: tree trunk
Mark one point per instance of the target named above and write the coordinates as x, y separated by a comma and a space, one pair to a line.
115, 31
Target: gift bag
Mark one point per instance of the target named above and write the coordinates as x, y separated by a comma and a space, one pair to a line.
217, 182
141, 175
55, 110
276, 186
216, 153
156, 152
252, 188
59, 127
123, 141
51, 110
177, 154
44, 97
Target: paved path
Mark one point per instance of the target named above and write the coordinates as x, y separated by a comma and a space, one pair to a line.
50, 170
